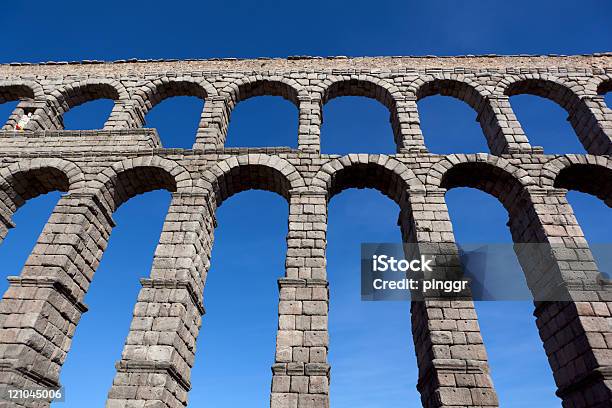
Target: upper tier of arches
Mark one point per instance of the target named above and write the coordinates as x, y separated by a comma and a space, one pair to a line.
486, 92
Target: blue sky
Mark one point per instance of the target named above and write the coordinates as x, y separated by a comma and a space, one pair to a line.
371, 350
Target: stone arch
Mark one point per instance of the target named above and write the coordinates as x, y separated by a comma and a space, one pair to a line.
550, 270
475, 95
154, 92
29, 94
491, 174
147, 96
251, 171
459, 87
126, 179
438, 170
587, 174
79, 92
571, 97
513, 188
16, 90
383, 173
544, 86
252, 86
366, 86
30, 178
361, 85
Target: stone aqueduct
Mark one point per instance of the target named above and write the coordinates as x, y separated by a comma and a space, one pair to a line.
99, 170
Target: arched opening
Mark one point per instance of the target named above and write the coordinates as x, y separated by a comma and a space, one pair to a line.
545, 124
268, 105
450, 126
263, 121
358, 117
135, 181
28, 182
445, 122
372, 360
177, 120
508, 327
29, 221
89, 115
499, 190
97, 100
139, 198
250, 176
552, 137
10, 97
587, 178
175, 109
36, 187
356, 125
101, 333
236, 345
372, 357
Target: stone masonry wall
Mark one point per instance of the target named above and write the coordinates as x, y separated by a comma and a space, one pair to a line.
101, 169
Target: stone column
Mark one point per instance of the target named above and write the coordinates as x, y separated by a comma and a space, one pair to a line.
42, 307
123, 116
501, 127
592, 121
155, 366
309, 126
576, 333
407, 126
214, 123
301, 372
453, 366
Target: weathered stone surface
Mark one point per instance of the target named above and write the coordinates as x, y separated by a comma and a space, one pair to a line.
101, 169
